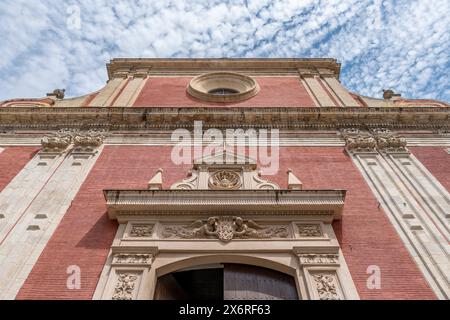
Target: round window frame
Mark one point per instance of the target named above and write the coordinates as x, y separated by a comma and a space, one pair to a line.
200, 86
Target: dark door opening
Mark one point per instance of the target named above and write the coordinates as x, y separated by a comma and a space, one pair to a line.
226, 282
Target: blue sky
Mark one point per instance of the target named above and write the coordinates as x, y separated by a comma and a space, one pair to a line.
403, 45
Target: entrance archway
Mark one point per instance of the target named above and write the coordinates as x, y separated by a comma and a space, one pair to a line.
226, 282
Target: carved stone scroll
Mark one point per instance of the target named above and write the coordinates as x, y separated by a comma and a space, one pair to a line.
225, 229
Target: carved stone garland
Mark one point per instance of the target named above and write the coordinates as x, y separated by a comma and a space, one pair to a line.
326, 286
225, 229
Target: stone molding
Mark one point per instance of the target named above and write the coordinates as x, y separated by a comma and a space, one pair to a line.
245, 87
123, 203
199, 66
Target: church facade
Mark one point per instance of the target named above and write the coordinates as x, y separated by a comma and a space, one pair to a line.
224, 179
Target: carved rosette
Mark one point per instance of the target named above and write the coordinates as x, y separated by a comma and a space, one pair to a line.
141, 230
125, 286
225, 229
309, 230
326, 285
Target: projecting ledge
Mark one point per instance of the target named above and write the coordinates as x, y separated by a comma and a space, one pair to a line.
296, 203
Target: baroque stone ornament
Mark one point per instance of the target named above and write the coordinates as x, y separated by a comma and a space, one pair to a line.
141, 230
309, 230
225, 180
132, 258
125, 286
81, 140
387, 140
326, 286
225, 229
90, 138
381, 139
357, 141
58, 141
319, 258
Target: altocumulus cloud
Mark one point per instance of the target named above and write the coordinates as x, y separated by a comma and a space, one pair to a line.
401, 44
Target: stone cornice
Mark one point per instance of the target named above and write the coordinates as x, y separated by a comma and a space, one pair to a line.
207, 202
118, 67
16, 118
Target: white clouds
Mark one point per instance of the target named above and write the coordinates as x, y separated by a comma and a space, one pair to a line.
400, 44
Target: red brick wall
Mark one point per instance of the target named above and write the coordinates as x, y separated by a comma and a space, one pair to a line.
12, 161
275, 91
85, 234
365, 233
437, 161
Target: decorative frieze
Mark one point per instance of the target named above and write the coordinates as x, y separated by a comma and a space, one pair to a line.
141, 230
125, 286
319, 259
309, 230
326, 285
132, 258
225, 229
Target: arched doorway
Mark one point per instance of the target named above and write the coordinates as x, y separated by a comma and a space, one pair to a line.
226, 282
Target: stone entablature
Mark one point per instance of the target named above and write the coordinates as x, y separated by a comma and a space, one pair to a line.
168, 118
